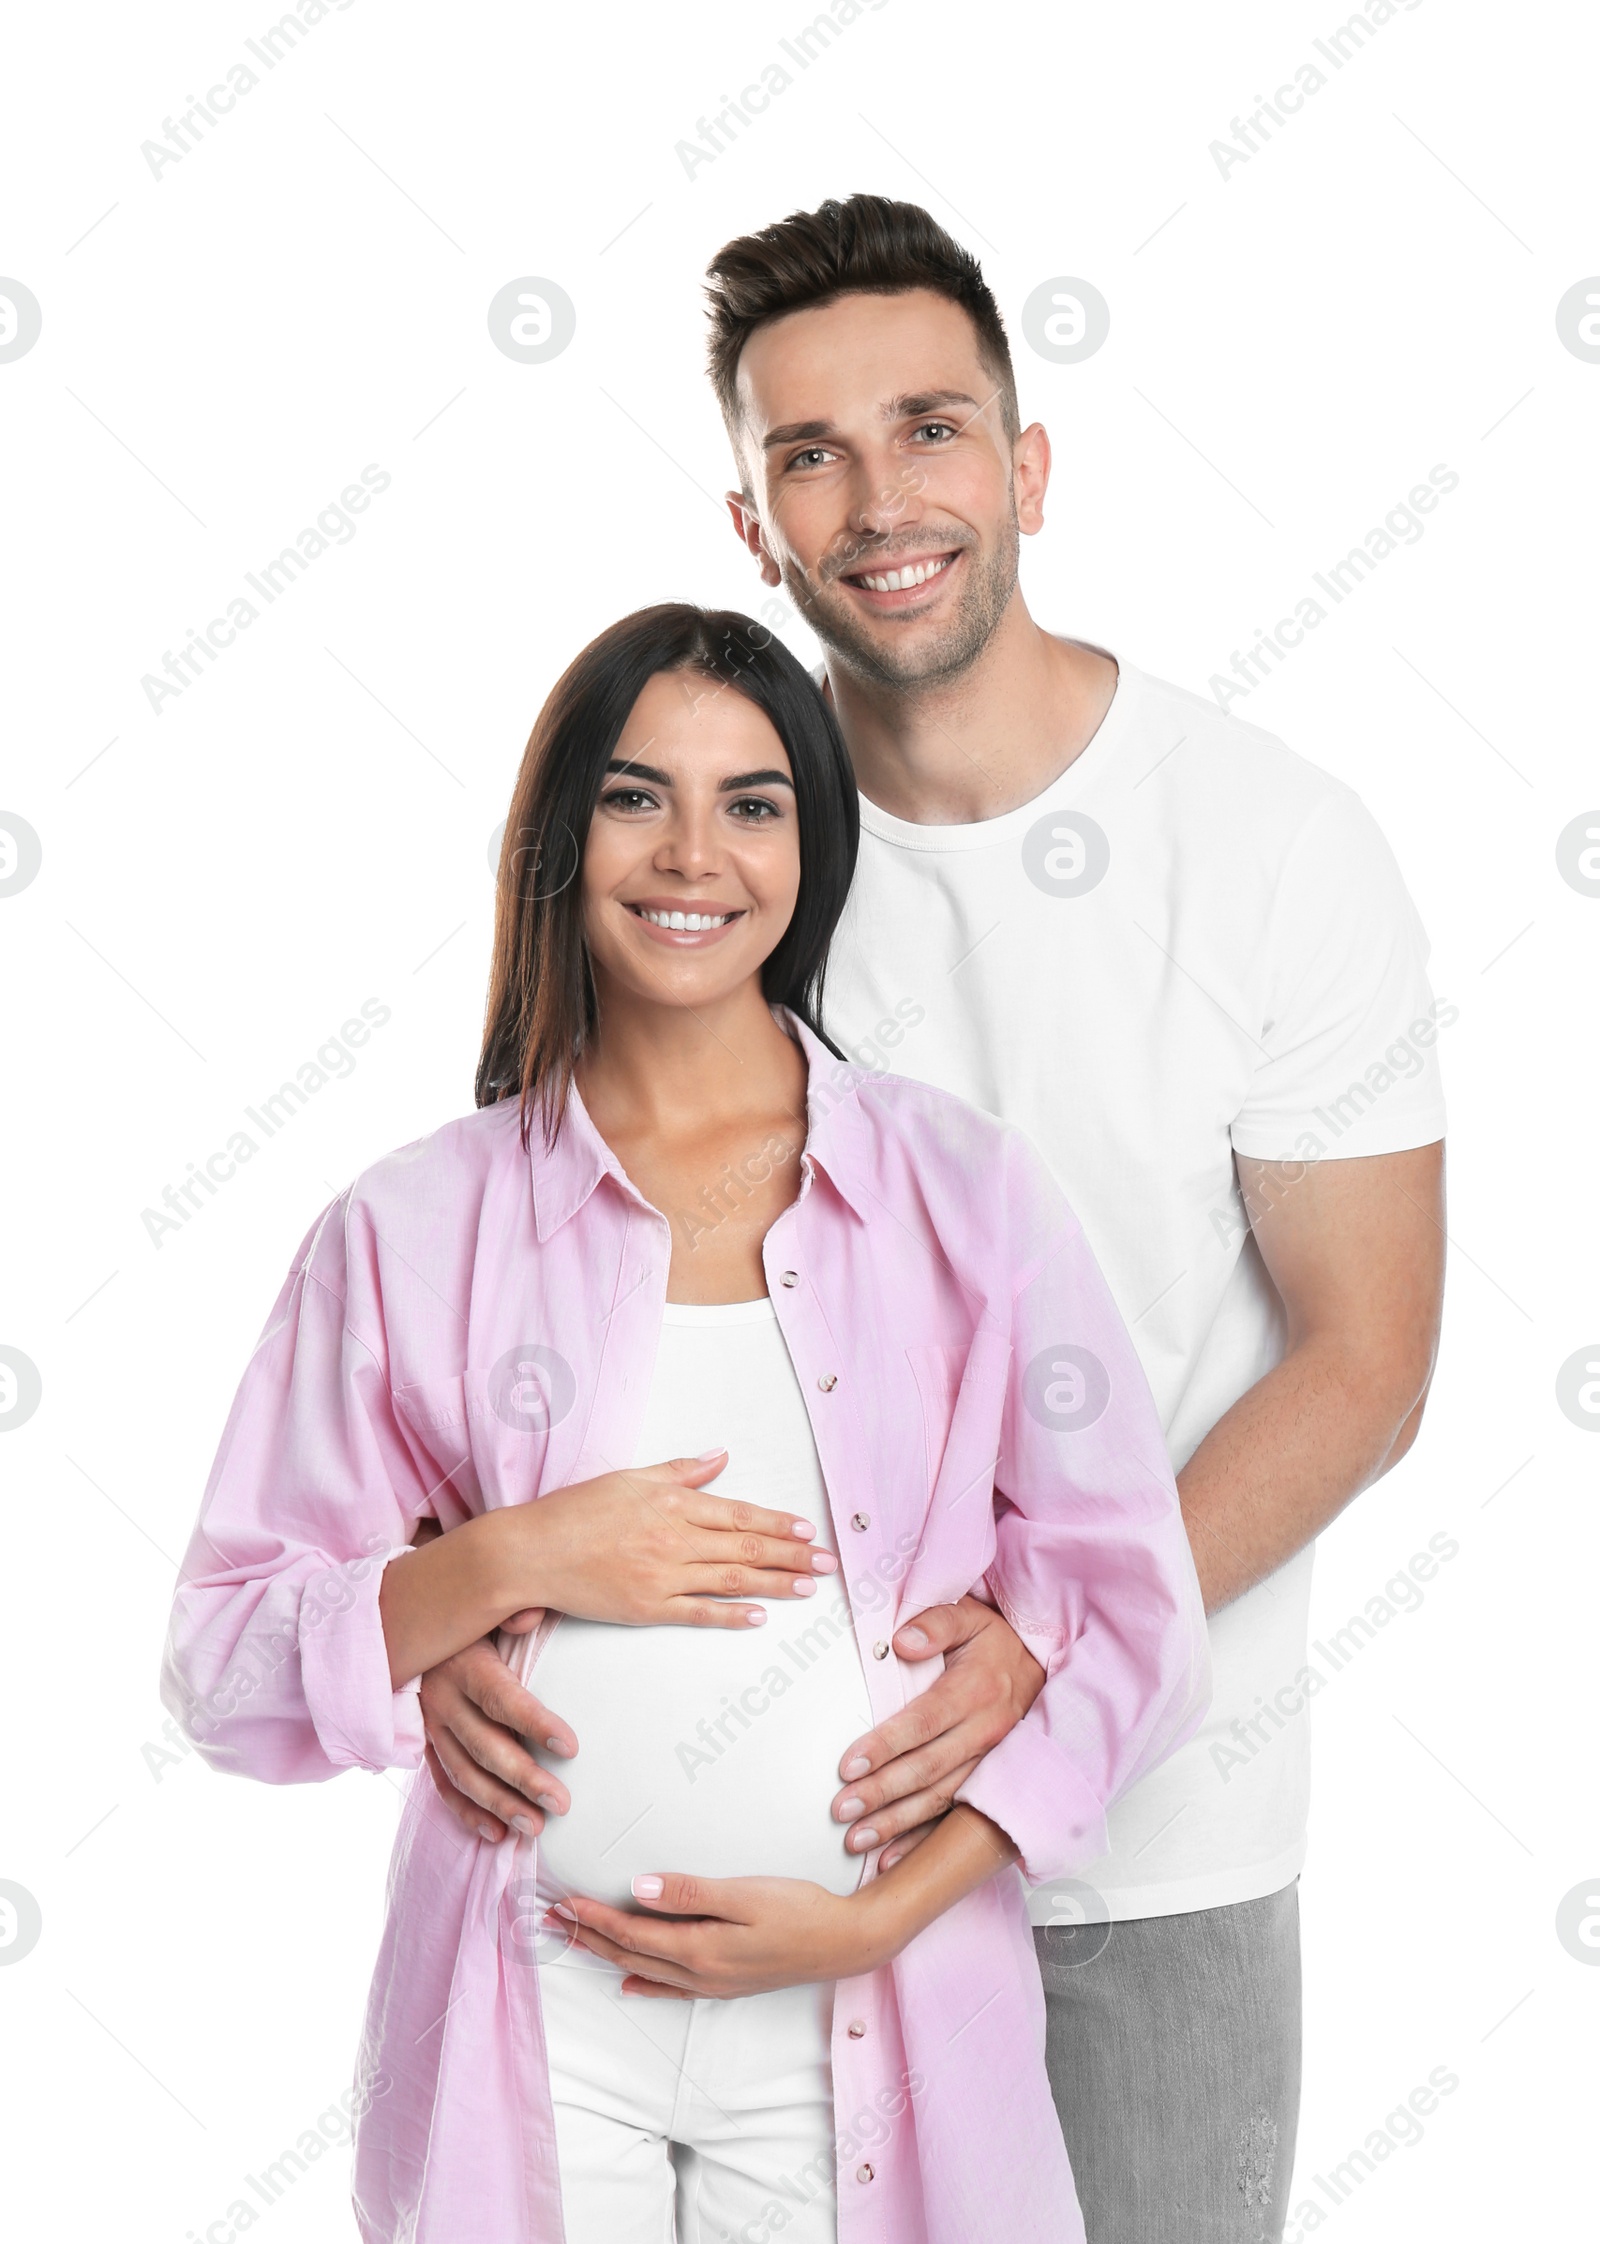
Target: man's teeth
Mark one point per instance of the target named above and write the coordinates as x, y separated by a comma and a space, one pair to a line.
901, 580
689, 923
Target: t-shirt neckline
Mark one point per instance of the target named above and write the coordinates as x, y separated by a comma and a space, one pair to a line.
756, 1312
1010, 825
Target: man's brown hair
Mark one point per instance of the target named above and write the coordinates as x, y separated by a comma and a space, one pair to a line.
865, 245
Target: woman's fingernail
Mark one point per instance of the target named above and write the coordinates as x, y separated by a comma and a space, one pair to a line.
823, 1562
488, 1831
562, 1910
554, 1745
804, 1529
887, 1861
647, 1889
804, 1586
756, 1616
524, 1824
706, 1455
913, 1637
859, 1767
864, 1841
848, 1810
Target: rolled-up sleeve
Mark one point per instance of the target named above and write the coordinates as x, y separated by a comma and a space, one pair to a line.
1092, 1564
275, 1661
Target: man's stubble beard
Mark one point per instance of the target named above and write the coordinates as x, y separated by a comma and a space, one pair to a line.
931, 663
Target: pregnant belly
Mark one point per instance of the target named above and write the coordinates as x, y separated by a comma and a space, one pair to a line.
714, 1751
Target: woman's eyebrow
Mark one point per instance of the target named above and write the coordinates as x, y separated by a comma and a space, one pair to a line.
640, 771
629, 770
755, 779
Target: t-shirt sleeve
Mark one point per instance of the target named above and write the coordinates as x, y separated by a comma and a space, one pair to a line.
1348, 1040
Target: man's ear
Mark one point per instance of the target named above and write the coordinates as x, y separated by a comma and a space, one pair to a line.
747, 528
1030, 470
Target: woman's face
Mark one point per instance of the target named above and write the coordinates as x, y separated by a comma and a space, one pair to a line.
696, 821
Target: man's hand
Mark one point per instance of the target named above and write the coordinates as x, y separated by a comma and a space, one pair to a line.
476, 1715
902, 1777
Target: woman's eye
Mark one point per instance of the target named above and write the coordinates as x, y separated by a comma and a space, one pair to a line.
754, 810
629, 798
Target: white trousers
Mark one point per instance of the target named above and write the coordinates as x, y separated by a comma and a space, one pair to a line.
705, 2122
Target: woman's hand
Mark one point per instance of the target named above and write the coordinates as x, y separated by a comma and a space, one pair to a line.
646, 1547
742, 1936
728, 1936
652, 1546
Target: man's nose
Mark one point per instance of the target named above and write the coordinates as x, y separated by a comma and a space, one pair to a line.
887, 495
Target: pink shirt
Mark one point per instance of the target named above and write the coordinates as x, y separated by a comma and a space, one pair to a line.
470, 1325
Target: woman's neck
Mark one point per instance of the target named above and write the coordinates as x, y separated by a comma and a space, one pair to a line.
666, 1071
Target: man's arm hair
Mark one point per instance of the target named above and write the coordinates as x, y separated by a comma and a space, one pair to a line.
1355, 1249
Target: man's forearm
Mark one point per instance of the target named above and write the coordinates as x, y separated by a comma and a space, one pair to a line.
1295, 1448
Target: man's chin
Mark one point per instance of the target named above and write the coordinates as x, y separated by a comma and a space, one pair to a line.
905, 656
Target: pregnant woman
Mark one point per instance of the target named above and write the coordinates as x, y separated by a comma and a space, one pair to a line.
703, 1360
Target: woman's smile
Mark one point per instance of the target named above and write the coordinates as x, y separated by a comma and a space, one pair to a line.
680, 924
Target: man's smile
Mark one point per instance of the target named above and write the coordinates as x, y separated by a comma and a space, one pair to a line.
901, 586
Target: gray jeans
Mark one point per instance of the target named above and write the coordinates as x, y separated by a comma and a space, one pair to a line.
1174, 2053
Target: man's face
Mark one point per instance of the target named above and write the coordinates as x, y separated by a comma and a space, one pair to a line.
885, 490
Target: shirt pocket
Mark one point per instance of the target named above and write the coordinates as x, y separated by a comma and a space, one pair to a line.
963, 1393
486, 1431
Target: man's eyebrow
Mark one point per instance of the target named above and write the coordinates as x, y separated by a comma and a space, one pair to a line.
917, 402
907, 408
794, 432
733, 786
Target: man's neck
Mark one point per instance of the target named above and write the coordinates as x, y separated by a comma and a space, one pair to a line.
978, 745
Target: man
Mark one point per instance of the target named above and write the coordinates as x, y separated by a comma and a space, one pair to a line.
1183, 961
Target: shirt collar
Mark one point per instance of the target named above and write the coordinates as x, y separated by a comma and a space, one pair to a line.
566, 1173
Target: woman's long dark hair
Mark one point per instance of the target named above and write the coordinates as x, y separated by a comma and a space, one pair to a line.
542, 1009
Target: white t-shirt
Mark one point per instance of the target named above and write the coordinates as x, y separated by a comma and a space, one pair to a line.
712, 1751
1192, 944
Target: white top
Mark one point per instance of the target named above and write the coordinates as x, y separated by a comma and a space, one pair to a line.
1192, 944
712, 1751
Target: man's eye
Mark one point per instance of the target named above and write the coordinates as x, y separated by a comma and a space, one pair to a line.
812, 456
940, 429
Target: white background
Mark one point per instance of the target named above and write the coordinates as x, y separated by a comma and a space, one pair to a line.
1292, 347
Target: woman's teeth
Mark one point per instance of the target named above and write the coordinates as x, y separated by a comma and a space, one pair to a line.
690, 923
901, 580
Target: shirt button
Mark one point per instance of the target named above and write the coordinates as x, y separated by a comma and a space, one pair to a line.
828, 1382
863, 2173
861, 1521
789, 1278
856, 2028
880, 1650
